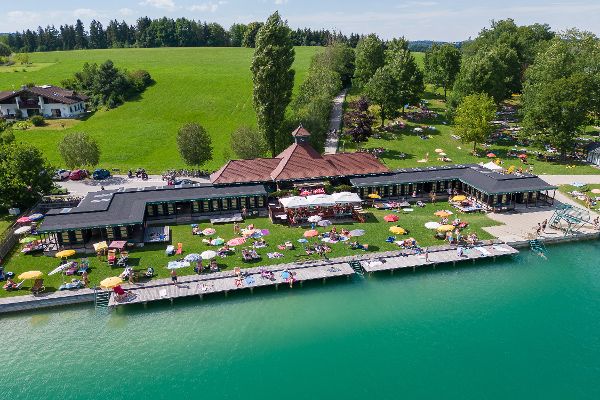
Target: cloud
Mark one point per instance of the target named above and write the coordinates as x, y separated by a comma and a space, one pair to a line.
168, 5
280, 2
126, 12
23, 16
204, 7
85, 13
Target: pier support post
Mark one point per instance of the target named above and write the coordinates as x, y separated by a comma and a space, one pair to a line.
301, 282
277, 286
324, 280
414, 268
226, 293
251, 290
145, 304
201, 296
171, 300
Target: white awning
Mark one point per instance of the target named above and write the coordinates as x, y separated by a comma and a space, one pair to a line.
294, 202
492, 166
320, 200
345, 197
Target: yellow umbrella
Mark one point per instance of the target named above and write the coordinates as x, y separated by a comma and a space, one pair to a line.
459, 198
65, 254
100, 246
111, 282
397, 230
442, 213
445, 228
31, 275
374, 196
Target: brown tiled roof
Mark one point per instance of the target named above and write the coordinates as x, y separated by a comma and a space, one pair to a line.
238, 171
55, 93
301, 161
356, 163
300, 132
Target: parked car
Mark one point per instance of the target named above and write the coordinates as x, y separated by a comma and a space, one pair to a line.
179, 181
62, 174
101, 174
78, 174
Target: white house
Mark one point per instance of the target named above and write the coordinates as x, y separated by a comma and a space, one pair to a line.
47, 100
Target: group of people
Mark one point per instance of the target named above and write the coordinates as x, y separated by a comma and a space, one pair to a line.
300, 215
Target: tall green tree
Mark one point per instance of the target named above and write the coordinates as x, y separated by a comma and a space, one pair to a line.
382, 90
338, 57
408, 75
561, 91
236, 34
5, 51
79, 150
273, 77
442, 63
194, 144
473, 118
247, 143
370, 56
25, 175
249, 39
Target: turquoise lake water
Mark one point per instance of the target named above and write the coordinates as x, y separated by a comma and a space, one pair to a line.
520, 328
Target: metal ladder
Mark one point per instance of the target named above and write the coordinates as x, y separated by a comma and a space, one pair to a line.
357, 267
101, 300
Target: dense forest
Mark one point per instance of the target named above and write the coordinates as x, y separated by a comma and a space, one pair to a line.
161, 32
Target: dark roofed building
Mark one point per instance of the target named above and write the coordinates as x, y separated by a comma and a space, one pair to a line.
497, 190
300, 161
47, 100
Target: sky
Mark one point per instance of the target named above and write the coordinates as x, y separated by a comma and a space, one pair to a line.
414, 19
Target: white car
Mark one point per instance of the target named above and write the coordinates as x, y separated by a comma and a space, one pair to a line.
62, 174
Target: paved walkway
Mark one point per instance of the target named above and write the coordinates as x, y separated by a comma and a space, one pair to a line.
83, 187
568, 179
335, 123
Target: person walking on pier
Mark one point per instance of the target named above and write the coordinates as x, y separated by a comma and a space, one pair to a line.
174, 276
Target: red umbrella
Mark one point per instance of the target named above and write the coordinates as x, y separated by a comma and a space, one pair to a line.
522, 156
491, 155
23, 220
391, 218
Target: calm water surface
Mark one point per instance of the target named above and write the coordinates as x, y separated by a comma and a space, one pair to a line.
518, 328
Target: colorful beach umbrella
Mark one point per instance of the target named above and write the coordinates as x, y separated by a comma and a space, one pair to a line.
23, 220
311, 233
443, 213
490, 155
22, 230
111, 282
36, 217
397, 230
374, 196
445, 228
208, 254
65, 254
391, 218
100, 246
209, 231
236, 241
217, 242
432, 225
31, 275
459, 198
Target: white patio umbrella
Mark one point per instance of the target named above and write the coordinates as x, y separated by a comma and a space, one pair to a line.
314, 218
60, 268
432, 225
357, 232
23, 229
208, 254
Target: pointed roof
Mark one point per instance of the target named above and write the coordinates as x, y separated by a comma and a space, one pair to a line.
301, 161
300, 132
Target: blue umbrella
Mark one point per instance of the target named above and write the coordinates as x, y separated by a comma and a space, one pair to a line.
36, 217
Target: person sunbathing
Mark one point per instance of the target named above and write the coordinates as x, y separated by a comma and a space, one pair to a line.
10, 284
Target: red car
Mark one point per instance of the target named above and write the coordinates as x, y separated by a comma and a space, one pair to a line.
78, 174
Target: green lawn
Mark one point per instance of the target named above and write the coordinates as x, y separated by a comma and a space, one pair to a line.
565, 189
153, 255
18, 68
408, 142
212, 86
5, 222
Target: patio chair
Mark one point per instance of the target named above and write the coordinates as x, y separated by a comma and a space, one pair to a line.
123, 259
112, 257
38, 286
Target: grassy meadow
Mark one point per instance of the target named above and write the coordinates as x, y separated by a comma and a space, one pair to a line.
212, 86
377, 231
404, 147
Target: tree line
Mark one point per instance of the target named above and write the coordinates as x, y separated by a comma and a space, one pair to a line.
159, 32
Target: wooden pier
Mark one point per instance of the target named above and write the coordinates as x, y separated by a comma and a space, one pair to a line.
225, 282
443, 255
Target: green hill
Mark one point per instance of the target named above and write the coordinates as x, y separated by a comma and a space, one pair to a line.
212, 86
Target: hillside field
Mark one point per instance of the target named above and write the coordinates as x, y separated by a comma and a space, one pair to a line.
211, 86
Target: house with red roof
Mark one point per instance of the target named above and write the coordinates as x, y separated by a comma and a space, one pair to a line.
47, 100
299, 162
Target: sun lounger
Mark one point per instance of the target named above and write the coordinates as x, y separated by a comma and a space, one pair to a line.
38, 286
